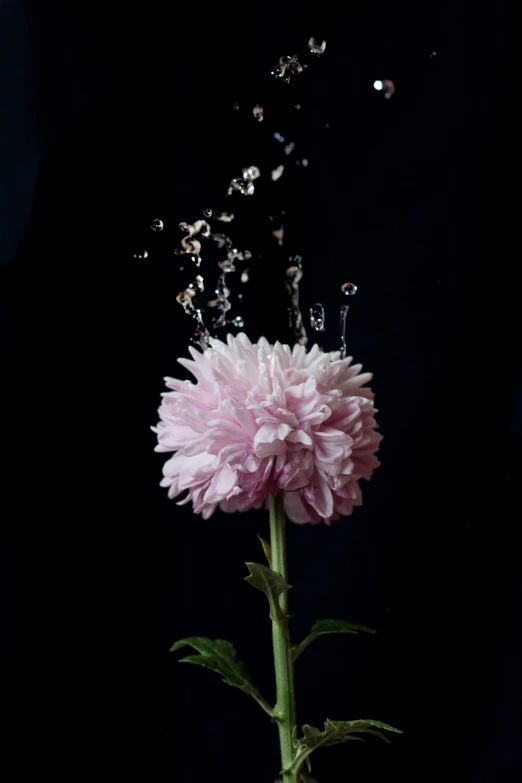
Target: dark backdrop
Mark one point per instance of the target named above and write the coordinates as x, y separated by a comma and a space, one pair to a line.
114, 116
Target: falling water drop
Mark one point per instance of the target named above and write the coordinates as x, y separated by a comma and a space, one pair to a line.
141, 255
386, 85
258, 112
245, 275
344, 311
317, 317
236, 106
238, 322
316, 48
207, 213
349, 289
157, 225
294, 274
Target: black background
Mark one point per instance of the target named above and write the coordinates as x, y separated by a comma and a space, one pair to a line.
113, 116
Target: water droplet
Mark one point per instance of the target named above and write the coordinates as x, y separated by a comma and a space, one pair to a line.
245, 275
246, 255
207, 213
238, 322
305, 162
316, 48
288, 65
277, 173
289, 147
225, 217
278, 137
344, 311
349, 289
433, 54
236, 106
141, 255
294, 274
240, 296
297, 106
245, 184
279, 235
251, 173
258, 112
386, 85
157, 225
317, 317
181, 268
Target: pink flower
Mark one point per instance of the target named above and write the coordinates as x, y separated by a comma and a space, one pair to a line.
264, 418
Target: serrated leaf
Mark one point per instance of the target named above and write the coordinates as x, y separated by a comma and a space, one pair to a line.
269, 582
267, 549
335, 732
322, 627
220, 656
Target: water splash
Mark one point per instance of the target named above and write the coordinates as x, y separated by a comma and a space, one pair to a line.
294, 274
227, 265
157, 225
344, 311
238, 322
317, 318
258, 113
287, 67
277, 173
191, 243
316, 48
141, 254
186, 300
245, 183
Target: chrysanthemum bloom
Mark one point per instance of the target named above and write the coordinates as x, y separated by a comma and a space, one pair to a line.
265, 418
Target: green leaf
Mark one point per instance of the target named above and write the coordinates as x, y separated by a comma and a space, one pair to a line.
269, 582
335, 732
220, 656
307, 779
339, 626
267, 549
322, 627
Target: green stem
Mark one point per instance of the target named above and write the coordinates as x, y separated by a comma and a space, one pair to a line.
285, 704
